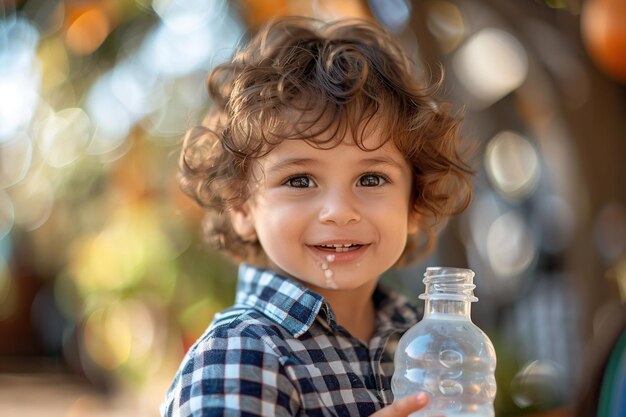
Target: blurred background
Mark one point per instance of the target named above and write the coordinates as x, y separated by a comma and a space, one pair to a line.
104, 282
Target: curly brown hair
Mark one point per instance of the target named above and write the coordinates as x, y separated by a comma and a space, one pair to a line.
299, 78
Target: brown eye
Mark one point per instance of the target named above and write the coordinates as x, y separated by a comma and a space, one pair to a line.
371, 180
299, 182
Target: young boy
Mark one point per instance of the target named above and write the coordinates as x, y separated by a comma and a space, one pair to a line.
322, 164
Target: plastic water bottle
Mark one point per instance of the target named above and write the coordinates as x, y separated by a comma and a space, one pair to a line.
446, 355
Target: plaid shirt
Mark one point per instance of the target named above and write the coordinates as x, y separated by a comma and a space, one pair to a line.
280, 352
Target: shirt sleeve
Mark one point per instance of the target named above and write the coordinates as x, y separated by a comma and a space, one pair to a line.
233, 375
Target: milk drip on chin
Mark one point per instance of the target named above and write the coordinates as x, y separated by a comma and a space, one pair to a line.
328, 273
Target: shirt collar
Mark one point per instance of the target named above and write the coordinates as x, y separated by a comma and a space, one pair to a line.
295, 307
283, 300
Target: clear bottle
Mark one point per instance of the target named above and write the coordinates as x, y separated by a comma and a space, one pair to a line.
445, 354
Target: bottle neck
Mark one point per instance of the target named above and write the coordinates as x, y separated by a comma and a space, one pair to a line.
461, 309
449, 291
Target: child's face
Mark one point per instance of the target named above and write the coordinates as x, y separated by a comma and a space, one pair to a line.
308, 201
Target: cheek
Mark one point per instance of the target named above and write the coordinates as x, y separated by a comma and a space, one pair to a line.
393, 224
286, 221
390, 210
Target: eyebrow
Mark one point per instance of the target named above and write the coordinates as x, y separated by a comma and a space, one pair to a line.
382, 160
289, 162
303, 162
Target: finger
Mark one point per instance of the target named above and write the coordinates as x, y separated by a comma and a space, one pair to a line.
404, 406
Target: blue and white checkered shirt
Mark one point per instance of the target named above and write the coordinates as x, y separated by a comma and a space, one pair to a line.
279, 352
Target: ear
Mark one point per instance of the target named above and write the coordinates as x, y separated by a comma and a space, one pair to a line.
413, 222
242, 220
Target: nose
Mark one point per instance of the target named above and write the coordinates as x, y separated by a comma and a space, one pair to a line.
340, 208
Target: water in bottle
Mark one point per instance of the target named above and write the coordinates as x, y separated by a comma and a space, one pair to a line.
446, 355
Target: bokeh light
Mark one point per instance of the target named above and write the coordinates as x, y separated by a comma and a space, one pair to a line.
394, 14
510, 245
512, 164
112, 121
539, 384
19, 75
120, 332
131, 249
33, 200
445, 21
604, 34
55, 66
482, 213
189, 15
15, 159
490, 64
63, 136
87, 30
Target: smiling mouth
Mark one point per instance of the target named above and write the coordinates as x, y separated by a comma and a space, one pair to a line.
337, 248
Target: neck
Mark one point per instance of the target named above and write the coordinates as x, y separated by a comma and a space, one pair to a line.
354, 310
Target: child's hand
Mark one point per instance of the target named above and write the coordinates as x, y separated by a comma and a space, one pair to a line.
404, 406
